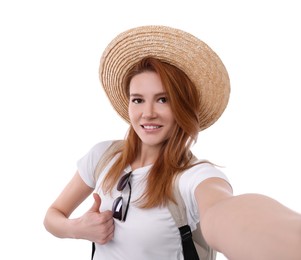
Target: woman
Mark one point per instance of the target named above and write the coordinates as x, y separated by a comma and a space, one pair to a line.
168, 85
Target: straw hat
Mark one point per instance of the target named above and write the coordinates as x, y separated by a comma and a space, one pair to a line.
179, 48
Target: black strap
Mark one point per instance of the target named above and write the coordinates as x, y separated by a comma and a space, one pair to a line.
189, 250
93, 250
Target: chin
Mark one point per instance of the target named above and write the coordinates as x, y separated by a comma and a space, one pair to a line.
152, 143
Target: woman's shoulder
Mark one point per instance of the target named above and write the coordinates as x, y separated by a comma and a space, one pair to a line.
96, 152
101, 147
202, 170
88, 163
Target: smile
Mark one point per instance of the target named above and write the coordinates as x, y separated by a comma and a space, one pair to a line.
151, 127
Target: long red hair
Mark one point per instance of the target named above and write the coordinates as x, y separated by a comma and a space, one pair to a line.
175, 155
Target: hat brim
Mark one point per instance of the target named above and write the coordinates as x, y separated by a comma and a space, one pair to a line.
179, 48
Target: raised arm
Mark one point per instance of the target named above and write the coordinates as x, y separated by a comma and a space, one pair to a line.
248, 226
93, 225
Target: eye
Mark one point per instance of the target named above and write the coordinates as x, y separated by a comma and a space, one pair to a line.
137, 100
162, 100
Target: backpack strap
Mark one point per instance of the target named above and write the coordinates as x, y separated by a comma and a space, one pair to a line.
106, 157
178, 209
93, 250
178, 212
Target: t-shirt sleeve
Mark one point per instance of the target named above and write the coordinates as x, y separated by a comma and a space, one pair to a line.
188, 183
87, 164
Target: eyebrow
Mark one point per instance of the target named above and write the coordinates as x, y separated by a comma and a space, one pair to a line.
156, 95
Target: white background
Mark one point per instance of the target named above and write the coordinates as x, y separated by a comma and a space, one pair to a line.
53, 109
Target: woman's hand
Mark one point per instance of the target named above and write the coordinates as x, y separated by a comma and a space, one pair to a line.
96, 226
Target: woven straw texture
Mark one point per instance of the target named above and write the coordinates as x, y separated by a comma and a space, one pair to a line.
179, 48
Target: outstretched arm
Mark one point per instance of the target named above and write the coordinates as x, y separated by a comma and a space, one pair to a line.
248, 226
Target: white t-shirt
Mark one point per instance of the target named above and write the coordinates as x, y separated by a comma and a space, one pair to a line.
148, 234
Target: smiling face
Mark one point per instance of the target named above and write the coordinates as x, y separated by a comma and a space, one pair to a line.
149, 109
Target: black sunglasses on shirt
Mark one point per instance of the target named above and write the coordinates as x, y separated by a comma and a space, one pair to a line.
117, 208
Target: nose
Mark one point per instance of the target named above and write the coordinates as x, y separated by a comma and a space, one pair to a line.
149, 111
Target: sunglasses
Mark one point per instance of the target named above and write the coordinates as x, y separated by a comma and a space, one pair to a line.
119, 212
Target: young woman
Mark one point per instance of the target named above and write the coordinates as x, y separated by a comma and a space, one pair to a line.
168, 85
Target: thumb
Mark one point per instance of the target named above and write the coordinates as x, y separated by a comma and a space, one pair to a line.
97, 202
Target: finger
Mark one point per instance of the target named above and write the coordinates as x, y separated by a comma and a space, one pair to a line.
97, 202
106, 238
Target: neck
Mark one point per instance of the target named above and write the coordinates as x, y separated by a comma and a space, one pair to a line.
148, 155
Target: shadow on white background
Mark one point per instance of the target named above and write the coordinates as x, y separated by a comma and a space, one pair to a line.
53, 109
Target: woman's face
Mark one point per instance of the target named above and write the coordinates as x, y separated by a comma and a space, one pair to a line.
149, 109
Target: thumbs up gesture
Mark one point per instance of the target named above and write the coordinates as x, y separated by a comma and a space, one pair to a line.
97, 202
96, 226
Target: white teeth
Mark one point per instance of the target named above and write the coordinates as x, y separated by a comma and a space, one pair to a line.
150, 127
